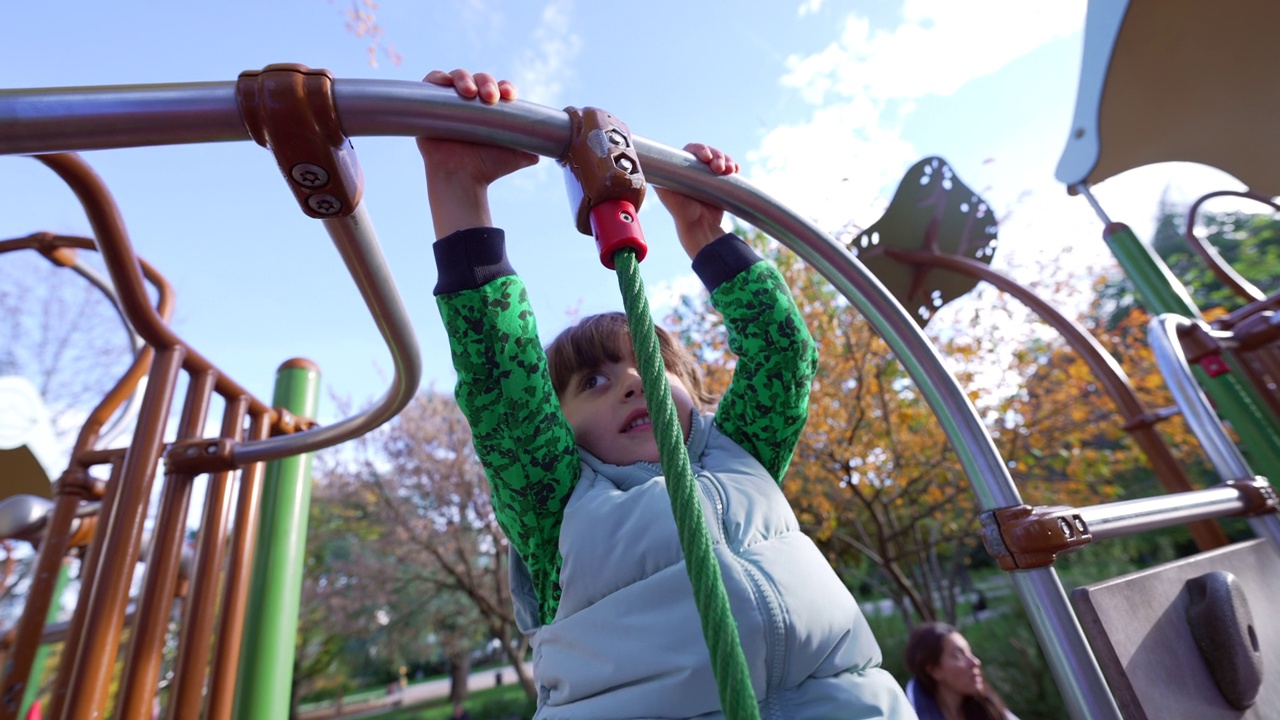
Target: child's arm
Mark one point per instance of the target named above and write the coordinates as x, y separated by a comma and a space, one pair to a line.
767, 404
504, 389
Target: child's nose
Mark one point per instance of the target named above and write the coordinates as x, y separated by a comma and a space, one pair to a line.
632, 384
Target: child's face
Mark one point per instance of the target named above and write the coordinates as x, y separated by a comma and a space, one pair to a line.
606, 408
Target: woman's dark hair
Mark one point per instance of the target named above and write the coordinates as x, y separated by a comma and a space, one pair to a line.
599, 339
924, 652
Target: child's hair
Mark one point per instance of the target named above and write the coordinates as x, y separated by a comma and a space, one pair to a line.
599, 339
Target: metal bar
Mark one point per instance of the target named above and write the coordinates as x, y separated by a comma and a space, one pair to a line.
1071, 660
235, 592
407, 108
155, 606
271, 625
97, 118
89, 565
1162, 335
358, 246
1152, 513
120, 539
1169, 471
186, 695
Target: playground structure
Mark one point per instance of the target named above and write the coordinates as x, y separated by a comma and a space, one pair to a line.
294, 111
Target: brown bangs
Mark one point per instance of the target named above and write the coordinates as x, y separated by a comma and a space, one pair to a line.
600, 339
588, 345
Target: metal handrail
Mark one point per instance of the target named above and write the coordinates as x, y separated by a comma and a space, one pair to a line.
125, 116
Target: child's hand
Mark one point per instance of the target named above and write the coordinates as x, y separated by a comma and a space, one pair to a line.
697, 223
459, 173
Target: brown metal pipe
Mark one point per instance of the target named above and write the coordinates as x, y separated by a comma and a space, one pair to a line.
186, 694
146, 642
118, 540
48, 244
117, 252
1206, 533
235, 593
1219, 267
39, 597
71, 648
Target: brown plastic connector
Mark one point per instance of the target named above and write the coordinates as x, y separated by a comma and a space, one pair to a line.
1025, 537
1259, 497
287, 423
197, 456
1257, 330
290, 110
601, 164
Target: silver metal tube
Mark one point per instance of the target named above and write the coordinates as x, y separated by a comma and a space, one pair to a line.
1071, 660
98, 118
1162, 334
357, 243
1083, 189
1152, 513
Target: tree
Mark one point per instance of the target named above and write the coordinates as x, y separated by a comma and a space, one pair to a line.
422, 547
874, 479
1248, 242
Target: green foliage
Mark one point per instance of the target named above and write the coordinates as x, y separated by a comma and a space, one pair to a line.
1249, 243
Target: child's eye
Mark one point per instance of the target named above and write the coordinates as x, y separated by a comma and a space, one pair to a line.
593, 380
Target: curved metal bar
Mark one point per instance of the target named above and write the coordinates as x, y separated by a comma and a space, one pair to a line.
1162, 334
47, 120
354, 237
95, 278
124, 116
1226, 274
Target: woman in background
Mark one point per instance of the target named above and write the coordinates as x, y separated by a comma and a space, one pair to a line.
947, 681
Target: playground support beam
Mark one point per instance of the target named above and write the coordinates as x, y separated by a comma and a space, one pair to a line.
265, 677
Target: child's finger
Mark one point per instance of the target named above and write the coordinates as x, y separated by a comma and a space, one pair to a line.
507, 89
464, 83
487, 88
439, 77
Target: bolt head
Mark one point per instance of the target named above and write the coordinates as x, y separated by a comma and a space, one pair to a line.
309, 175
324, 204
1065, 527
626, 165
616, 138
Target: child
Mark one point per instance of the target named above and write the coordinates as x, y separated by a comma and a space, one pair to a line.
598, 577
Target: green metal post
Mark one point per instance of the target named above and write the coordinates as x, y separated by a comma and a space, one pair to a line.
37, 664
265, 675
1160, 292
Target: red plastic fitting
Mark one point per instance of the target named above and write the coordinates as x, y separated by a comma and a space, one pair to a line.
616, 226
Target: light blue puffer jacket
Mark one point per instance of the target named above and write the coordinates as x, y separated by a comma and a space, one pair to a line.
627, 642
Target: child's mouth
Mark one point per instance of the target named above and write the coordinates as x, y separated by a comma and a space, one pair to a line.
637, 420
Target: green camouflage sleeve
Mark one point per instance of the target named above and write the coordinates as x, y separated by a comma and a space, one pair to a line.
767, 403
521, 437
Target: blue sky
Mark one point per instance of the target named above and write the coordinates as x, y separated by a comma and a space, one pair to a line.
825, 103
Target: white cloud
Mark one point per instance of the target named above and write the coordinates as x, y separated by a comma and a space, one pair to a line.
834, 167
843, 159
543, 69
939, 46
809, 7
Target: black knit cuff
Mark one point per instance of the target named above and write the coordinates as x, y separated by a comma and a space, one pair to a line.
468, 259
722, 260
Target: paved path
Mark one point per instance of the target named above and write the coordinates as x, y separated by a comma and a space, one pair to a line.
412, 695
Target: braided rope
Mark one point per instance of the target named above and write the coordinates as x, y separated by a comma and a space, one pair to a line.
728, 662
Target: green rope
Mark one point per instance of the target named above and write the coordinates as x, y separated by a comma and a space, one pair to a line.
728, 662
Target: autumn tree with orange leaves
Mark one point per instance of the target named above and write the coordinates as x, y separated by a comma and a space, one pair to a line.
875, 480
